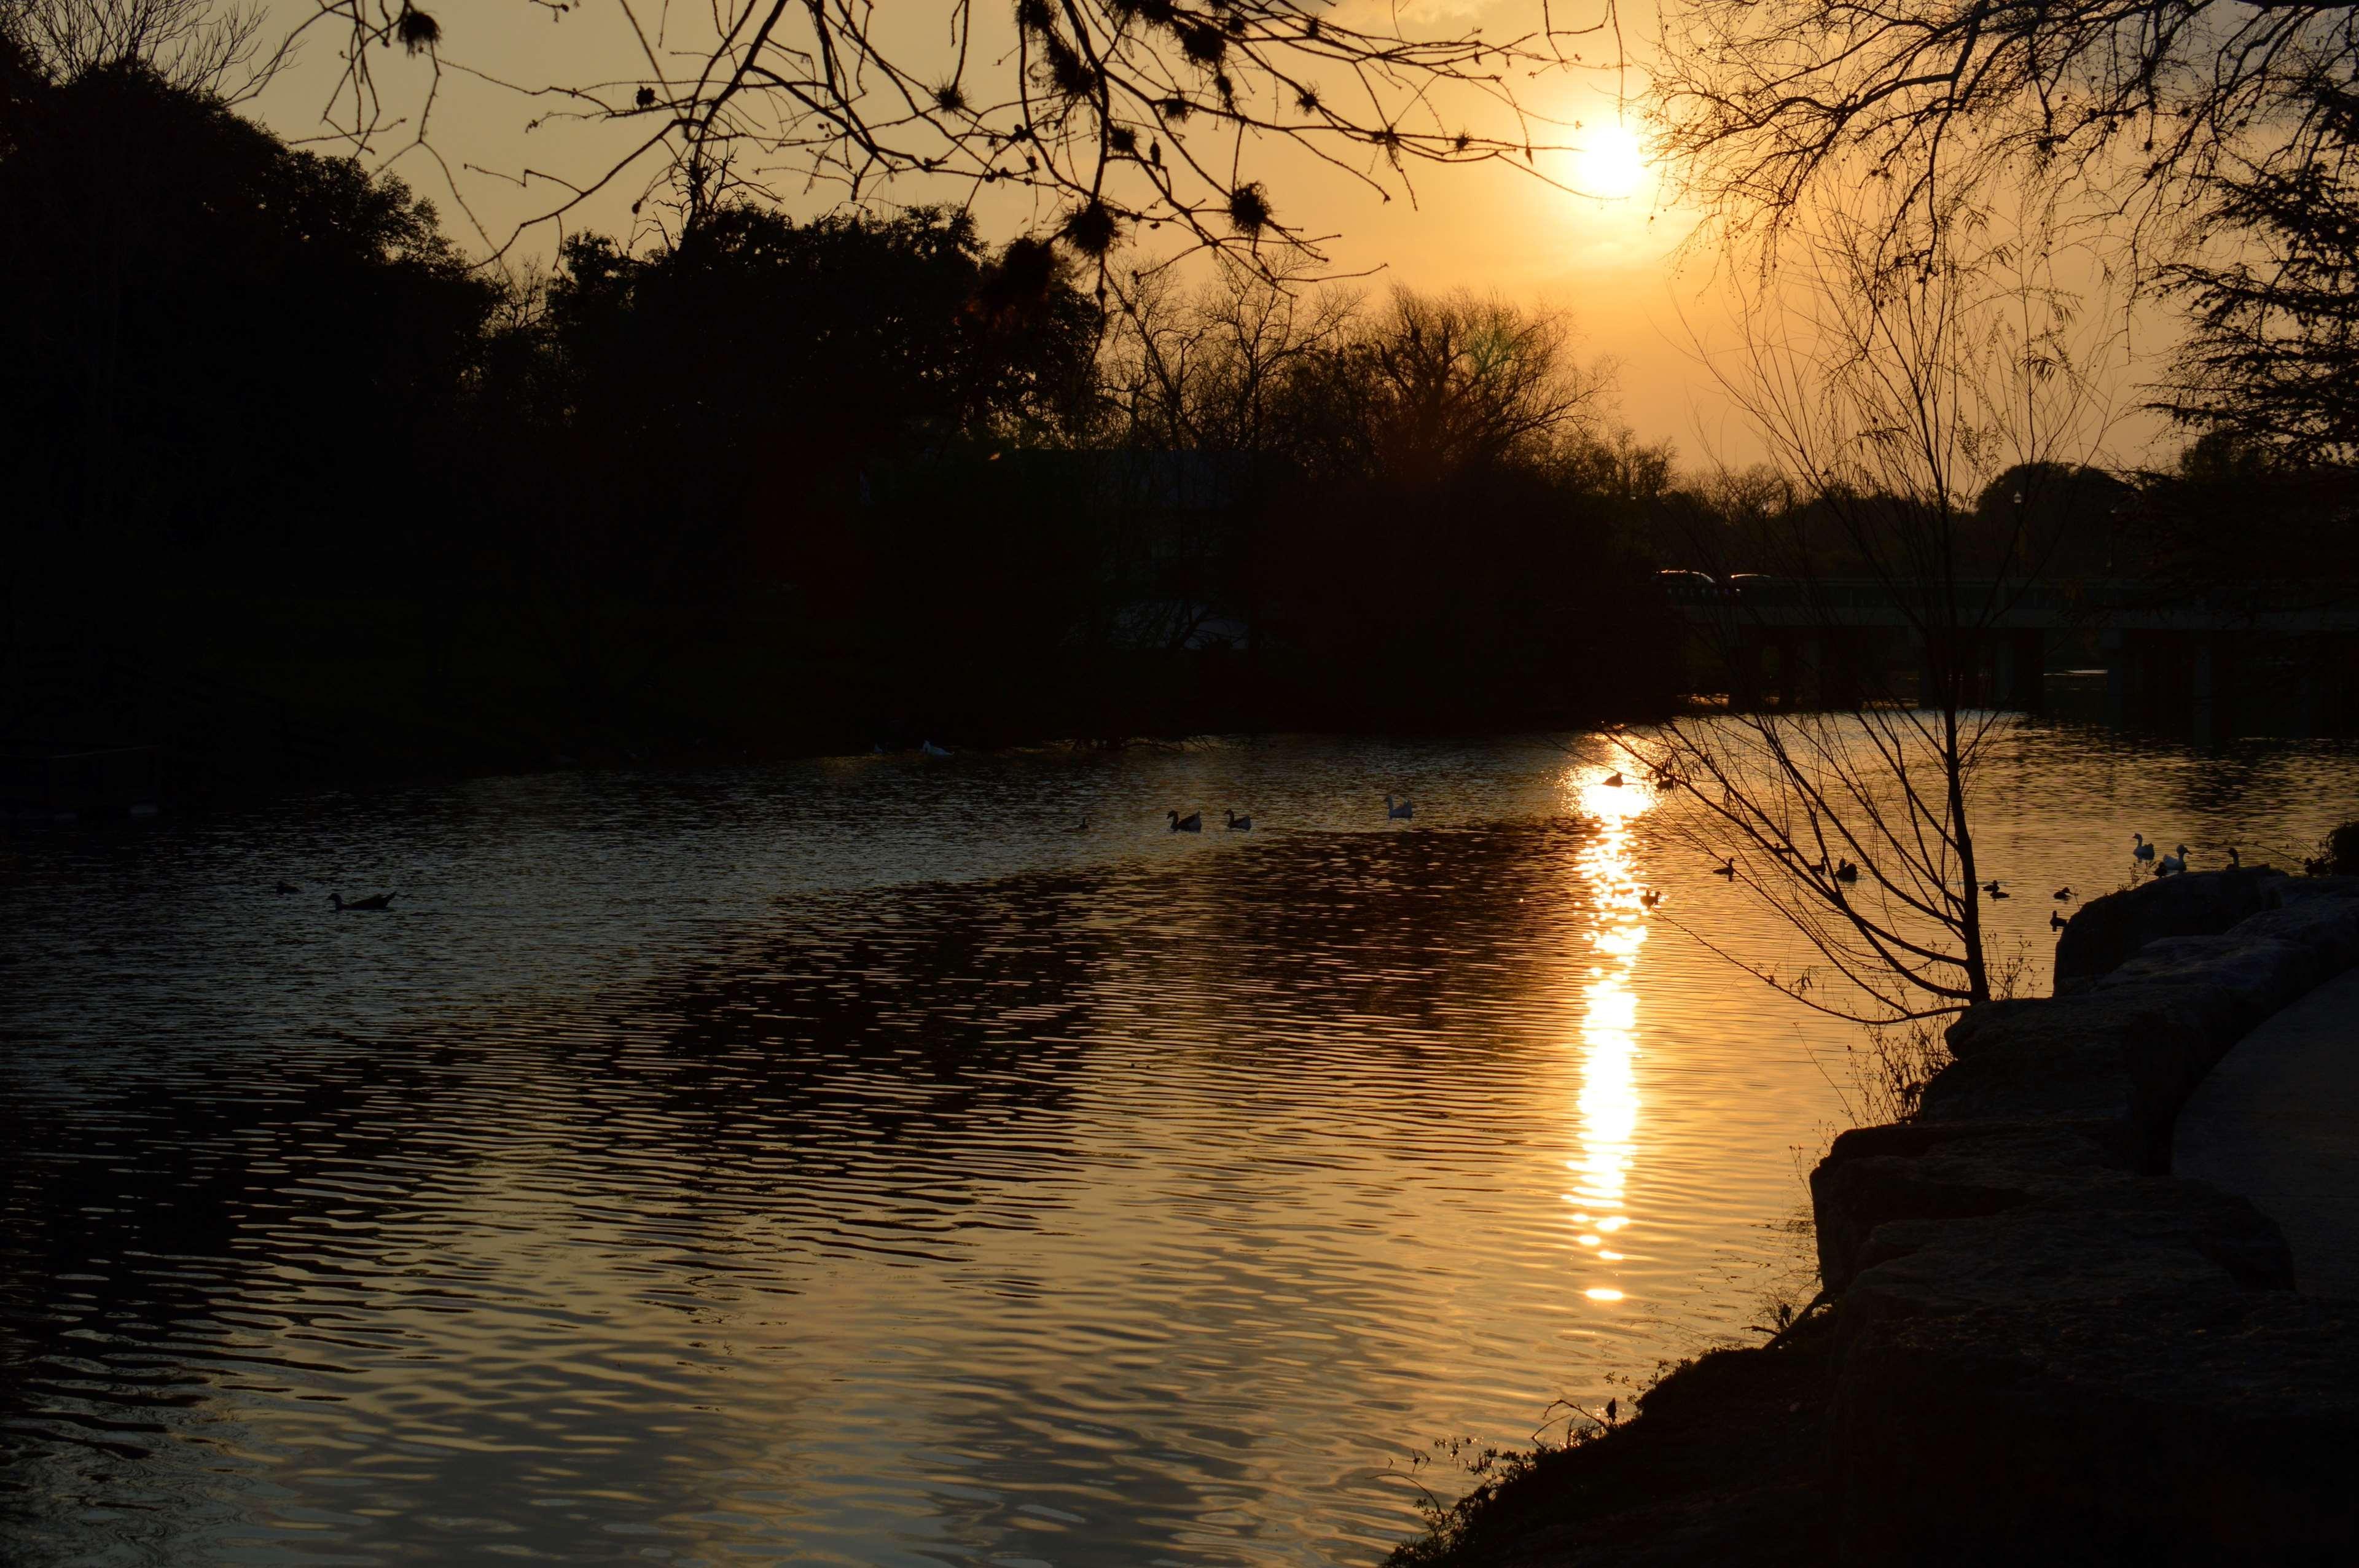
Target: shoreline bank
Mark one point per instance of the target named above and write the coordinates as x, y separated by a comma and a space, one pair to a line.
246, 699
2038, 1339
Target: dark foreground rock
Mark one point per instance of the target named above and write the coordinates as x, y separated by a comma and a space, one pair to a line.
2216, 1428
2116, 1065
2049, 1350
1723, 1466
1875, 1176
2042, 1347
2108, 932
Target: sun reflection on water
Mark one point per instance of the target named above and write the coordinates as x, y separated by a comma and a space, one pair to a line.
1608, 1102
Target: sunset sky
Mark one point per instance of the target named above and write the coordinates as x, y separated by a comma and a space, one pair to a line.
1614, 262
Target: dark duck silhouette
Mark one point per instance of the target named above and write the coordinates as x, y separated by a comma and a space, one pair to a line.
1191, 822
1240, 823
374, 903
285, 888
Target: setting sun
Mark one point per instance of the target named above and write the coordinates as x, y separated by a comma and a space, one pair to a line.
1613, 164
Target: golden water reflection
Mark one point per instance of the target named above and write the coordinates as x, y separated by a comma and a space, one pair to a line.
1608, 1102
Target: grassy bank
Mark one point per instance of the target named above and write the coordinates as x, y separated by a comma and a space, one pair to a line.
1723, 1463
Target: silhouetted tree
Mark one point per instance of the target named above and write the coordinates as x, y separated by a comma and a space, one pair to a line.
709, 405
210, 336
1891, 397
193, 45
1768, 102
2273, 358
1218, 369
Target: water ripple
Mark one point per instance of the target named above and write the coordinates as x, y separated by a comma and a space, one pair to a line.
849, 1163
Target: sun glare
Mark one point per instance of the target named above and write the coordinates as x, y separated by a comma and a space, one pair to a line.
1614, 164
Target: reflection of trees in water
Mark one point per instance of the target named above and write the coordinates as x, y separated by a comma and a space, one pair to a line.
1382, 935
141, 1257
199, 1236
1349, 959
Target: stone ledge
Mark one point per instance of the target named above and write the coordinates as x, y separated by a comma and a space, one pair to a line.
2042, 1339
1951, 1171
2120, 1060
2108, 932
2115, 1240
2213, 1430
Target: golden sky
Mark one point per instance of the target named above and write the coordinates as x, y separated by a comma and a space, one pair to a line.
1611, 261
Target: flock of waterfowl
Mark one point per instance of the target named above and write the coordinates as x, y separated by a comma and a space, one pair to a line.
1395, 811
375, 904
1843, 871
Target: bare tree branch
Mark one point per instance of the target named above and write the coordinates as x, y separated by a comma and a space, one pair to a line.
1108, 109
1892, 389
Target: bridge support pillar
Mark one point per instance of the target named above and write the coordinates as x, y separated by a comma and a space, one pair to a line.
2310, 689
1744, 670
2210, 667
1842, 677
1806, 676
2019, 659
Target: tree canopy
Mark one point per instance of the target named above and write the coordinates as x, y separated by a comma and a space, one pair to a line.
2273, 356
1770, 102
204, 321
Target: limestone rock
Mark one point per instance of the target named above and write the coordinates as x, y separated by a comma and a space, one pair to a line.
2107, 931
2325, 923
2228, 983
2123, 1059
2303, 889
2151, 1238
1944, 1171
2216, 1428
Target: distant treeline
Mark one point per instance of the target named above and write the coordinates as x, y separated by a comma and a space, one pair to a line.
772, 482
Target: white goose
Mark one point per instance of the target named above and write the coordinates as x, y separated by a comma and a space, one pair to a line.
2145, 851
2170, 863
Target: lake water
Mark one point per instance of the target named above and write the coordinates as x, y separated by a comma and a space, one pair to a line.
859, 1162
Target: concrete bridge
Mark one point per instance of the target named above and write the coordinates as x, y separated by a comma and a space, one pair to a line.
2253, 659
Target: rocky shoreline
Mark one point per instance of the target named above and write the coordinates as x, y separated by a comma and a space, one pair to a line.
2040, 1345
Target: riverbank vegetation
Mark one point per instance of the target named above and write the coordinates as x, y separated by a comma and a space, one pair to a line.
1723, 1461
294, 484
775, 485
